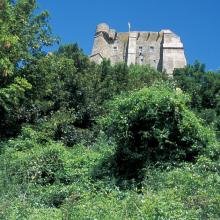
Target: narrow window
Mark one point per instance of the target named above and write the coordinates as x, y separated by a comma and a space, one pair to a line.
151, 49
140, 50
115, 48
141, 59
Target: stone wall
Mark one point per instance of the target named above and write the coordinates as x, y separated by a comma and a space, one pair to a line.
162, 50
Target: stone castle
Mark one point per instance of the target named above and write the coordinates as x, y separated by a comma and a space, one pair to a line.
162, 50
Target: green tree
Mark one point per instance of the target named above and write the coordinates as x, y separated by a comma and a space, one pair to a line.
22, 38
204, 89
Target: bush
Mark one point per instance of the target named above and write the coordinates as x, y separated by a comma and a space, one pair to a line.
70, 135
153, 125
41, 164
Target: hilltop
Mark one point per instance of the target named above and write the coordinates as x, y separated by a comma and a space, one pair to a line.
80, 140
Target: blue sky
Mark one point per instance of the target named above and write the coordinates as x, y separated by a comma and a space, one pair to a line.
197, 22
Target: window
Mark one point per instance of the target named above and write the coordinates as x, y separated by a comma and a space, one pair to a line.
115, 49
141, 59
151, 49
140, 50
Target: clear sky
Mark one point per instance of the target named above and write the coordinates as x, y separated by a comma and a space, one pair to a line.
197, 22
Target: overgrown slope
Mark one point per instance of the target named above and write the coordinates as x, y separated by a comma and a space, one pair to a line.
85, 141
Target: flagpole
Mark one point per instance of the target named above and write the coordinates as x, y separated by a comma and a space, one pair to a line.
129, 27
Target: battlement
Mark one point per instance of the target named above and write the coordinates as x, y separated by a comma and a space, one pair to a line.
162, 50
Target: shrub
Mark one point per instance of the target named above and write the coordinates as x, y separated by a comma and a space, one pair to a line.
41, 164
153, 125
70, 135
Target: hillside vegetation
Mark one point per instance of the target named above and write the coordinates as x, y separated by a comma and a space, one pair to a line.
85, 141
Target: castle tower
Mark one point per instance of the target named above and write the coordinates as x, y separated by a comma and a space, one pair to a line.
162, 50
101, 45
173, 52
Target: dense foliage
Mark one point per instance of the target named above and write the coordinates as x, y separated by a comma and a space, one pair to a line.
154, 125
22, 37
85, 141
204, 89
49, 181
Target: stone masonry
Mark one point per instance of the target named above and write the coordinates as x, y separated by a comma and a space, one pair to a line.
162, 50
